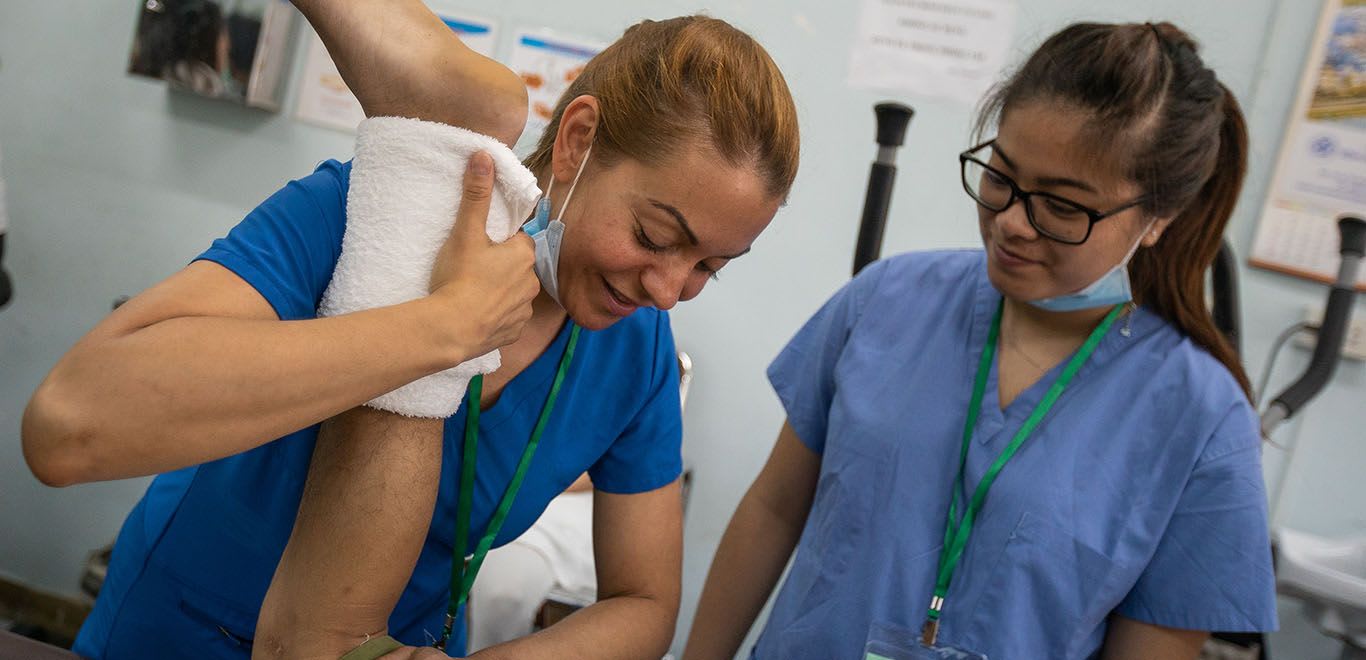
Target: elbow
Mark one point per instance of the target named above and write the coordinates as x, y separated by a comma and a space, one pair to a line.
512, 121
54, 444
657, 621
503, 114
667, 618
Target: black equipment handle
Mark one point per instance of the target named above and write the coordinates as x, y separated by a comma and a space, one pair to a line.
1332, 332
892, 119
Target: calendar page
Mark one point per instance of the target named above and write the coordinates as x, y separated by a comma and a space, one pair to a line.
1321, 172
1299, 243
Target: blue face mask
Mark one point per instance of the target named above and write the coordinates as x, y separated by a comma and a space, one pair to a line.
1110, 289
547, 234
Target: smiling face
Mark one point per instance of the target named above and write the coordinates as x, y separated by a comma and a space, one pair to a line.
653, 236
1044, 147
639, 235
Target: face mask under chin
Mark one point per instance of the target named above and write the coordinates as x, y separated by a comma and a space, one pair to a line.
1111, 288
548, 234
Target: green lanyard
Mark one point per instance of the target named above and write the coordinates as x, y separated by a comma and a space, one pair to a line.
956, 531
464, 570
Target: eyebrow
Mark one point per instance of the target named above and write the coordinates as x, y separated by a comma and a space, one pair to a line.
683, 224
1045, 181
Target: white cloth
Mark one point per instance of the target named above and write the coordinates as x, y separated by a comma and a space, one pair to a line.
511, 587
552, 558
406, 184
564, 536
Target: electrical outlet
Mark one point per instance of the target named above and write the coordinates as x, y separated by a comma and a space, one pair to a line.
1352, 349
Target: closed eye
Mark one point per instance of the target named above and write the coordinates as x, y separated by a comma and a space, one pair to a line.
645, 241
649, 244
1062, 209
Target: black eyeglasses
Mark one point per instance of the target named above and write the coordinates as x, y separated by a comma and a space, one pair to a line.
1058, 218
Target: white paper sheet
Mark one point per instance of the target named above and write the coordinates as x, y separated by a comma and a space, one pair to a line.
938, 48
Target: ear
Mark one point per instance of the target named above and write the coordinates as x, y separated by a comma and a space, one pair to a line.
578, 126
1155, 232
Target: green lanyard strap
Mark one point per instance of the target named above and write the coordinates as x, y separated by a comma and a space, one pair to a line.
463, 571
956, 530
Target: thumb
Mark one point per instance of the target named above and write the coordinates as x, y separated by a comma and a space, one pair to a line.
478, 191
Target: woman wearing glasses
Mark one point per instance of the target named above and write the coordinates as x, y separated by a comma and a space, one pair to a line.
1042, 449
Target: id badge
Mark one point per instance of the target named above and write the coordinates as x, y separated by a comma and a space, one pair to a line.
891, 642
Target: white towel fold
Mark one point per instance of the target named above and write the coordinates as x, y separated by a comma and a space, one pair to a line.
406, 184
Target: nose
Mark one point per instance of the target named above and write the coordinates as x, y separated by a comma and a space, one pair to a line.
664, 282
1014, 221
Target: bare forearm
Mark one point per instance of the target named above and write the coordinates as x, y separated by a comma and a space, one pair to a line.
401, 60
192, 389
1127, 639
626, 627
749, 561
361, 525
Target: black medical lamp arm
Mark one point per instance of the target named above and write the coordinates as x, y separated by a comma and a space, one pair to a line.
6, 287
1332, 333
892, 119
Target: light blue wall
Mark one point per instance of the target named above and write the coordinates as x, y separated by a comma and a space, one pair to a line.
114, 183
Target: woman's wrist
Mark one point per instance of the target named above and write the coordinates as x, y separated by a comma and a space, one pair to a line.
447, 334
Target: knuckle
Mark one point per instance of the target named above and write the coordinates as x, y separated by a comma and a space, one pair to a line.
476, 191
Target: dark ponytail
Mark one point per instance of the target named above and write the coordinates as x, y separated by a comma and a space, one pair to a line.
1152, 99
1170, 276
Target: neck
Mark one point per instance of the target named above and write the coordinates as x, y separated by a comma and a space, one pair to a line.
545, 311
547, 317
1027, 323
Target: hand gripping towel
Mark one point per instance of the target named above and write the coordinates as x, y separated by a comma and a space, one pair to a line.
406, 183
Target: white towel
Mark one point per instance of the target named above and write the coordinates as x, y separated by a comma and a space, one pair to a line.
406, 183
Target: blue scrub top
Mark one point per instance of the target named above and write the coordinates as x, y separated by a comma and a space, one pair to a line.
195, 557
1140, 494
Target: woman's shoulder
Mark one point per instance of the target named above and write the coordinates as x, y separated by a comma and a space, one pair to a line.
329, 181
1204, 395
322, 191
924, 276
334, 170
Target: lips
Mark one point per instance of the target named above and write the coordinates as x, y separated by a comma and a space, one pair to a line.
1010, 258
618, 303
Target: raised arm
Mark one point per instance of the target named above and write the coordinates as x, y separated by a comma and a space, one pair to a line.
199, 367
401, 60
373, 480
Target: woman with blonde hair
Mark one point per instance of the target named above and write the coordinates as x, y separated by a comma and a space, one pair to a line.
664, 160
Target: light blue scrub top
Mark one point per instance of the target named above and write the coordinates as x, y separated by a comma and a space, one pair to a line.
1140, 494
